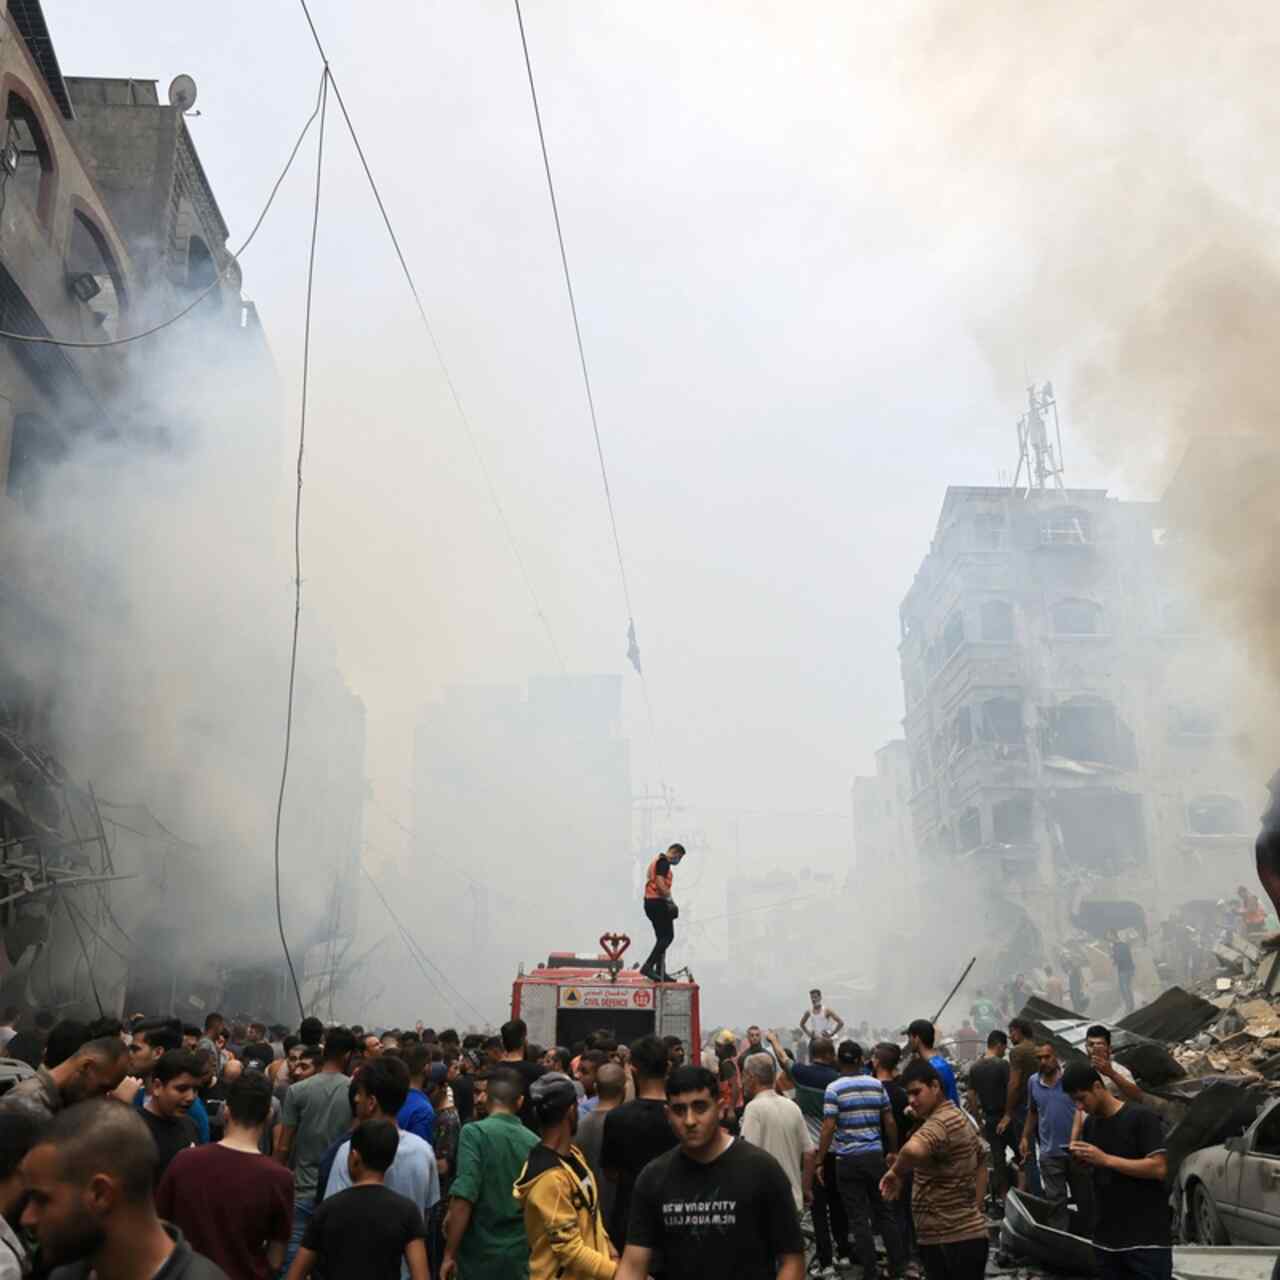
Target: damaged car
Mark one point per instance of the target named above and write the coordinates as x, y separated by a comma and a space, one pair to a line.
1230, 1193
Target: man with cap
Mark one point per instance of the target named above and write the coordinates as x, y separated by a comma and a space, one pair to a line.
558, 1193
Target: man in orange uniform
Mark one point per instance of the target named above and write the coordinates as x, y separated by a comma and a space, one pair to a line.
661, 910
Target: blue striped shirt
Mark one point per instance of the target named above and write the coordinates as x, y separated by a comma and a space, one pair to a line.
856, 1103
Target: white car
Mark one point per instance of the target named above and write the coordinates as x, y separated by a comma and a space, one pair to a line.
1230, 1194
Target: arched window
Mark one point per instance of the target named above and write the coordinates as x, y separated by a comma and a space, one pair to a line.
997, 622
89, 254
1066, 527
202, 270
1076, 618
1215, 816
27, 144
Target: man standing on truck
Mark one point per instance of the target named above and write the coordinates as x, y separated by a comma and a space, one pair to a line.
661, 910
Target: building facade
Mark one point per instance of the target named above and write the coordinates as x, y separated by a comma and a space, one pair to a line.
1064, 752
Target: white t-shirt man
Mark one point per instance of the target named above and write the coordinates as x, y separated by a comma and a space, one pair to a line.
776, 1125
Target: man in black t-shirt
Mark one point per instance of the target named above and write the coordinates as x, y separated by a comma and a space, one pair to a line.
988, 1094
636, 1132
717, 1208
174, 1081
1123, 1143
364, 1232
515, 1050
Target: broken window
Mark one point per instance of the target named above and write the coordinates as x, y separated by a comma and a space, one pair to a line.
997, 622
1001, 721
963, 732
1098, 829
1011, 819
1069, 527
969, 830
27, 148
953, 634
1215, 816
1090, 731
1076, 618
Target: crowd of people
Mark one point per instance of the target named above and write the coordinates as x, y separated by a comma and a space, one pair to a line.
162, 1151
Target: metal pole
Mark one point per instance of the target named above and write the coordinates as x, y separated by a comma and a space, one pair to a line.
956, 988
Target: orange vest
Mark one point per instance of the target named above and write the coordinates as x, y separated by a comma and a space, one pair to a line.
652, 881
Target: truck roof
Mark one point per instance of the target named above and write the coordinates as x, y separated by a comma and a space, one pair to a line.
592, 971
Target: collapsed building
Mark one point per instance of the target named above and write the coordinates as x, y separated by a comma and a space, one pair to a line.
1063, 750
109, 225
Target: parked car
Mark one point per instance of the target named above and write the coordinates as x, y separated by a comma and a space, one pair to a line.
1230, 1193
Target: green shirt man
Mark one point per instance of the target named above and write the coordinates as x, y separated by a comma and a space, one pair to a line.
484, 1231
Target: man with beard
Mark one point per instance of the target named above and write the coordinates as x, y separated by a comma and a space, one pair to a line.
92, 1071
90, 1179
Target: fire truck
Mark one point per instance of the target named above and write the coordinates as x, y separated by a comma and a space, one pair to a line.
570, 996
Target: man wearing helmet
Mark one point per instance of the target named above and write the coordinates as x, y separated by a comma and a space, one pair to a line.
661, 910
558, 1194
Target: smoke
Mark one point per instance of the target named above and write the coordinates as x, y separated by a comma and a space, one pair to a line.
1109, 171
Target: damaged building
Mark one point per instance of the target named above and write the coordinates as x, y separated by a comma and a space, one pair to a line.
1053, 753
108, 225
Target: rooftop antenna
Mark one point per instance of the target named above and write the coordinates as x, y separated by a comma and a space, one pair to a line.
1041, 458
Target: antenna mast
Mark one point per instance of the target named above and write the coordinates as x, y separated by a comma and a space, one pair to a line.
1041, 458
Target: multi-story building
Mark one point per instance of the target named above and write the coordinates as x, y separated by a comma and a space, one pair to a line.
1064, 749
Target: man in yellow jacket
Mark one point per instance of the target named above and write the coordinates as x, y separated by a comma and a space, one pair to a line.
558, 1194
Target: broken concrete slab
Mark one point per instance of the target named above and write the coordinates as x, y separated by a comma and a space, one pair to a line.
1174, 1016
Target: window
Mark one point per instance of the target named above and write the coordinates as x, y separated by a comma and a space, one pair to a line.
1215, 816
1069, 527
34, 447
1001, 721
1076, 618
997, 622
1088, 730
89, 253
1266, 1137
953, 634
33, 179
1011, 819
969, 830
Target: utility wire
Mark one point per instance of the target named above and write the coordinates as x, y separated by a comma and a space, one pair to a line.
439, 354
49, 340
419, 955
297, 533
577, 327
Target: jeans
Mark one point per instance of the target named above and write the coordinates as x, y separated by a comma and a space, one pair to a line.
302, 1214
829, 1217
1126, 989
1031, 1165
1061, 1174
1001, 1144
961, 1260
1135, 1264
664, 928
858, 1177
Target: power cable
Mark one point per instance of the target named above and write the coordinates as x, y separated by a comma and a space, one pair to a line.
234, 259
419, 955
297, 535
93, 982
634, 650
435, 347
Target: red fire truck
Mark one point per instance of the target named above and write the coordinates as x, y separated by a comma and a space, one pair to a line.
570, 996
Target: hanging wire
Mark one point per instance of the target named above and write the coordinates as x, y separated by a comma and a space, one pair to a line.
297, 537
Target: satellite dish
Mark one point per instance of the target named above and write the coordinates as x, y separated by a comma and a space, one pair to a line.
182, 93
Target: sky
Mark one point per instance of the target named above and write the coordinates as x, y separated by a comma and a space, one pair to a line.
792, 287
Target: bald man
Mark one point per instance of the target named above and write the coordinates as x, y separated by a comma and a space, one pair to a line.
611, 1092
90, 1178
